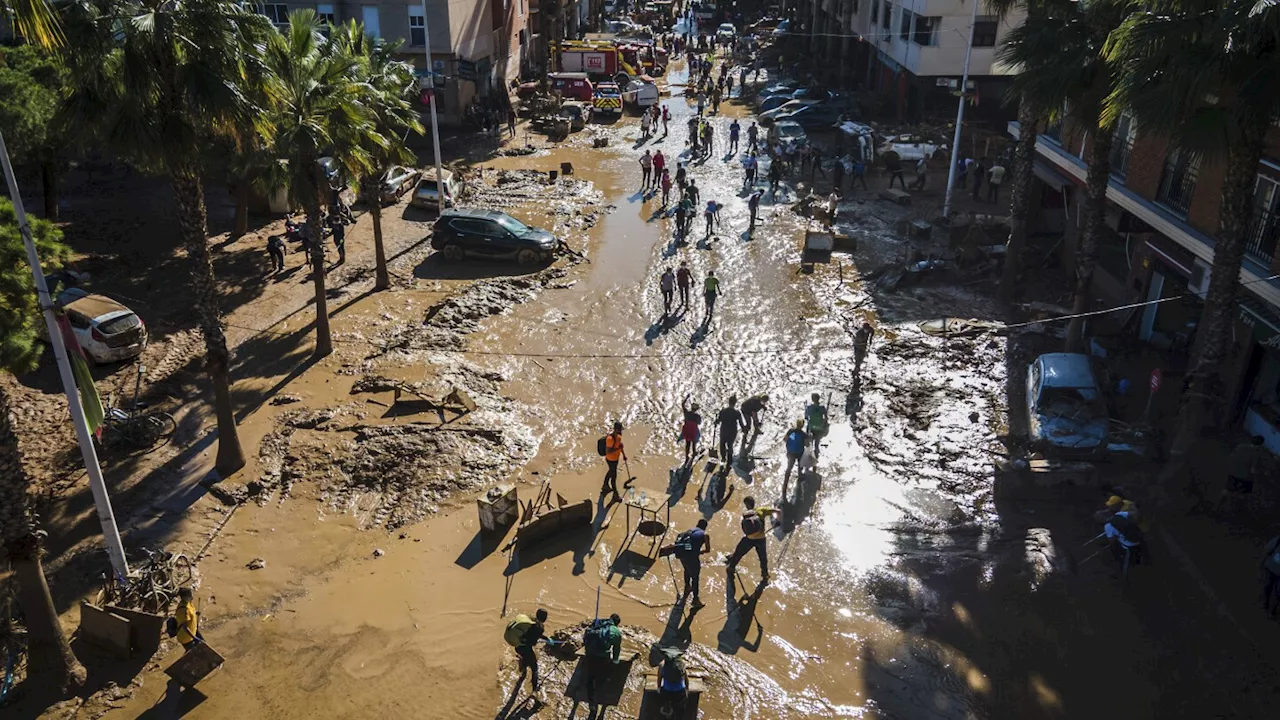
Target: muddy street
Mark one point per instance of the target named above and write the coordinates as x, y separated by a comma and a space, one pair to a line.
345, 572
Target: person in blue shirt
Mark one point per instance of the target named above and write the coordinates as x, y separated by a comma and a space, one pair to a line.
795, 440
734, 129
691, 545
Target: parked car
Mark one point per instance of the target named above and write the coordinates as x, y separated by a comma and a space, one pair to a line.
725, 32
427, 194
790, 106
789, 131
786, 88
395, 181
106, 330
1066, 414
773, 102
783, 28
491, 234
814, 117
910, 147
575, 114
812, 94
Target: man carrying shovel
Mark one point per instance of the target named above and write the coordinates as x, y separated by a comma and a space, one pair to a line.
613, 451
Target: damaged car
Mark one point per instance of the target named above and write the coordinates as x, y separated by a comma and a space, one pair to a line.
1066, 414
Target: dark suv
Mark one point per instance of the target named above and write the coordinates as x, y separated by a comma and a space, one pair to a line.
491, 234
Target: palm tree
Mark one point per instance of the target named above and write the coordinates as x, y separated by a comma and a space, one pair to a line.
34, 21
49, 655
1203, 73
1060, 52
390, 85
157, 81
320, 110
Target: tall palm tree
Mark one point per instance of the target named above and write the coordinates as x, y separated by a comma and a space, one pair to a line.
321, 109
34, 21
49, 655
157, 81
1060, 52
1203, 72
391, 83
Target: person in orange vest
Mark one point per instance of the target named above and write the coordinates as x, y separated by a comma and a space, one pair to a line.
613, 451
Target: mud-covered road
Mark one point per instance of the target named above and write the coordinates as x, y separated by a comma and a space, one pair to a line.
903, 585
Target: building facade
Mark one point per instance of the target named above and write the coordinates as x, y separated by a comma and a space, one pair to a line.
478, 47
913, 50
1162, 218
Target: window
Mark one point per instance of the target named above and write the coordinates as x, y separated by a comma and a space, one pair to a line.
1264, 226
369, 13
1122, 144
522, 2
875, 12
1178, 182
886, 22
417, 27
524, 36
326, 14
984, 31
277, 13
904, 24
927, 30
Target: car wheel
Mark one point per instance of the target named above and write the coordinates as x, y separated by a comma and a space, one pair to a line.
453, 252
527, 257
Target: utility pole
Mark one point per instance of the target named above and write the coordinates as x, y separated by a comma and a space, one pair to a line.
955, 142
115, 548
435, 124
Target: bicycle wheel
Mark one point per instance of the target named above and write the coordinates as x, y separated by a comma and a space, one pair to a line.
159, 426
183, 570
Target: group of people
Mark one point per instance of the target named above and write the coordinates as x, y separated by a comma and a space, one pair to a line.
979, 172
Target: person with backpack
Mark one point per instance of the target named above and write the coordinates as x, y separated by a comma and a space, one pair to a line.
815, 415
691, 545
523, 633
1270, 566
753, 536
184, 626
610, 446
690, 429
730, 420
602, 645
673, 684
1125, 538
795, 441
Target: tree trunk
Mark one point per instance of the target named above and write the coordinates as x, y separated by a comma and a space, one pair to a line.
50, 660
1024, 155
1202, 394
242, 208
188, 195
1095, 216
383, 278
324, 342
49, 181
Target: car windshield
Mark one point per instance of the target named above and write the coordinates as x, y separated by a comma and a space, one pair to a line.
514, 225
427, 186
1081, 404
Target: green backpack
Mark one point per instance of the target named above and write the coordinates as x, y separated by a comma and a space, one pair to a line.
516, 629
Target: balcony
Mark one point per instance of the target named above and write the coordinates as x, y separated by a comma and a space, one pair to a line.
1178, 182
1260, 238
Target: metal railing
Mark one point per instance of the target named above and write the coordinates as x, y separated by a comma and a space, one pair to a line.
1178, 182
1261, 236
1121, 149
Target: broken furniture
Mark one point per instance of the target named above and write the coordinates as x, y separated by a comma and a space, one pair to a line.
499, 507
121, 631
651, 706
457, 401
541, 520
819, 244
648, 503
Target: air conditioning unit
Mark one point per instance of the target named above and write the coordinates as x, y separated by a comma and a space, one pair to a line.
1199, 282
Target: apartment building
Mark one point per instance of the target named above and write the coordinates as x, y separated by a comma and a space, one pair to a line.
478, 47
912, 49
1162, 217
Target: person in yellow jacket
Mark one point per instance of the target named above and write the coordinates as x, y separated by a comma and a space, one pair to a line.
754, 530
188, 620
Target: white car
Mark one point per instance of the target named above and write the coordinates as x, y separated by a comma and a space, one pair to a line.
395, 181
427, 194
790, 131
1065, 411
725, 32
106, 330
911, 147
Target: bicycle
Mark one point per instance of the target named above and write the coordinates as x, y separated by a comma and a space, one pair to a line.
136, 427
152, 584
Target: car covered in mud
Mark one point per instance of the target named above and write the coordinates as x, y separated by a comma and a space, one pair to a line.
1066, 414
787, 108
427, 194
106, 330
791, 132
395, 182
490, 234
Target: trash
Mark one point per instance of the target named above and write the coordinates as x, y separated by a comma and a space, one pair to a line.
378, 552
285, 399
257, 564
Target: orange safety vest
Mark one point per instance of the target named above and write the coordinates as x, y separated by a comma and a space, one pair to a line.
612, 447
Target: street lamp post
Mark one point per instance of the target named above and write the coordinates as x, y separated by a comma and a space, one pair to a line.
955, 141
435, 124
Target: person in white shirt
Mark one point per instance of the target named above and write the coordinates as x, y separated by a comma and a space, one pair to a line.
994, 180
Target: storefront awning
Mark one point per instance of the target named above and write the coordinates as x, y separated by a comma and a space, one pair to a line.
1049, 176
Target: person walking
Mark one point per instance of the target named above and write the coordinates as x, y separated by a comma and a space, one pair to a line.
921, 169
816, 417
646, 169
339, 238
753, 536
682, 175
523, 634
751, 409
861, 343
979, 171
775, 175
644, 125
995, 178
667, 283
712, 216
666, 187
815, 164
682, 210
795, 441
734, 129
186, 621
691, 192
708, 139
710, 291
684, 279
276, 248
894, 165
753, 138
749, 164
613, 452
691, 545
753, 207
666, 118
859, 175
602, 646
690, 429
659, 166
729, 420
511, 122
728, 86
837, 173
